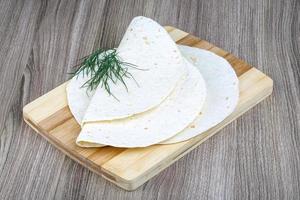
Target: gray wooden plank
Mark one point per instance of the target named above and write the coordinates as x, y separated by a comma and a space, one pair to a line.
255, 157
18, 23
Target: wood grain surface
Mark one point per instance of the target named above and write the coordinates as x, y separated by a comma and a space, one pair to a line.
255, 157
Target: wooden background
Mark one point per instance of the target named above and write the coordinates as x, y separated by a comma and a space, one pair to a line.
255, 157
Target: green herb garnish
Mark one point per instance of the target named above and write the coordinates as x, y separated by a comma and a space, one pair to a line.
104, 66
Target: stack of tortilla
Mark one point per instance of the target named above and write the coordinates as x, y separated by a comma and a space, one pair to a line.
177, 93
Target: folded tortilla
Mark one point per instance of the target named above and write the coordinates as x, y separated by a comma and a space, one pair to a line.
148, 46
222, 92
174, 114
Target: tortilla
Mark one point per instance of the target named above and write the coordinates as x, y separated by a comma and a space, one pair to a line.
78, 98
160, 66
222, 92
156, 125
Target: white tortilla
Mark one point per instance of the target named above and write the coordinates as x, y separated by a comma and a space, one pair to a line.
148, 46
222, 92
151, 127
78, 98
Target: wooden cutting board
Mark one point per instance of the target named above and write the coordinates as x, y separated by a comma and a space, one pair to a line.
50, 116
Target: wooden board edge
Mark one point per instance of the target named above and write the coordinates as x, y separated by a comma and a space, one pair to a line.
76, 157
37, 101
92, 167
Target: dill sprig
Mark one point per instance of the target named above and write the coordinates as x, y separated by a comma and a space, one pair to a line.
103, 67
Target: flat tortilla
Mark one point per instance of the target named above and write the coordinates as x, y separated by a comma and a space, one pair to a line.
222, 92
148, 46
156, 125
